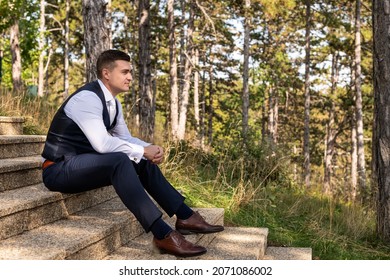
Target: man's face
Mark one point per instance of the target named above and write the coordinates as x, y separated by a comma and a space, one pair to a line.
118, 78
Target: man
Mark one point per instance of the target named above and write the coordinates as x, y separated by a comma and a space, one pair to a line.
89, 146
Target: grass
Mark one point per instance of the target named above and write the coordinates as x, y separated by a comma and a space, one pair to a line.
255, 190
335, 230
37, 112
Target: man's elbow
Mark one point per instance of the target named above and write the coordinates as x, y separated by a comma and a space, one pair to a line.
101, 147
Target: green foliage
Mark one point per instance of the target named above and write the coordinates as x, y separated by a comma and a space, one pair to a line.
258, 190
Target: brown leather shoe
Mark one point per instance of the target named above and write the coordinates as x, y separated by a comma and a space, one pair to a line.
176, 244
196, 224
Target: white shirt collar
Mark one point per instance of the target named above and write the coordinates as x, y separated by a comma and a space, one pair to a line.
107, 94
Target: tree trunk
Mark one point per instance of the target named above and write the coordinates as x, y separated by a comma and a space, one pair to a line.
359, 107
1, 65
273, 115
381, 131
16, 58
245, 83
196, 93
145, 86
331, 131
96, 34
264, 130
210, 105
173, 71
41, 46
66, 50
354, 159
182, 49
306, 137
183, 108
202, 116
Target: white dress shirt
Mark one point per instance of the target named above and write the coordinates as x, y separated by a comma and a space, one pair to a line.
85, 109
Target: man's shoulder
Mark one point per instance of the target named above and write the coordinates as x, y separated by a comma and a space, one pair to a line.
84, 98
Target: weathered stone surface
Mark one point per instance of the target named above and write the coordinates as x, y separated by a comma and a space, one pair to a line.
80, 201
20, 172
11, 125
288, 253
20, 146
237, 243
68, 238
32, 206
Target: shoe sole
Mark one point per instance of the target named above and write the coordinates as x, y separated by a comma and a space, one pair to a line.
188, 232
163, 252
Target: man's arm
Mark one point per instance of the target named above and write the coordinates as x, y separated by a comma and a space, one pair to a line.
85, 109
153, 153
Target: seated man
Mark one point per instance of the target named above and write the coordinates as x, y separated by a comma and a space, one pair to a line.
89, 146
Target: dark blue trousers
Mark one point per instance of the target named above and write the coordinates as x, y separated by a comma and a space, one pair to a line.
131, 181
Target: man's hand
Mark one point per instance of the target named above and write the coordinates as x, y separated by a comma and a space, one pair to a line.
154, 153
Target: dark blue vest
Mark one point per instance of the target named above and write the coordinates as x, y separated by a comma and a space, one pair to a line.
65, 138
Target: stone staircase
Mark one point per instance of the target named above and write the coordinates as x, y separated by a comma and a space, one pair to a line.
38, 224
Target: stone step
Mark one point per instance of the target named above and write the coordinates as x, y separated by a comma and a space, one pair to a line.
90, 234
238, 243
234, 243
11, 125
288, 253
29, 207
20, 145
141, 247
20, 172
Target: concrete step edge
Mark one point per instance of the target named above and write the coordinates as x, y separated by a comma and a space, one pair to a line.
20, 163
11, 125
238, 243
20, 145
288, 253
17, 139
33, 206
20, 172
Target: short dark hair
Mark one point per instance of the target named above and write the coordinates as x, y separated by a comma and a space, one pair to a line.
107, 60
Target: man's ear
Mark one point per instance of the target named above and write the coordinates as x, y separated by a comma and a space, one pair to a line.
106, 73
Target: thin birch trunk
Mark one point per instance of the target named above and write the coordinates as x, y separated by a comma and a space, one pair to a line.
203, 110
306, 137
210, 105
66, 50
330, 131
245, 90
354, 159
183, 108
41, 47
173, 72
273, 115
16, 57
196, 92
359, 106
